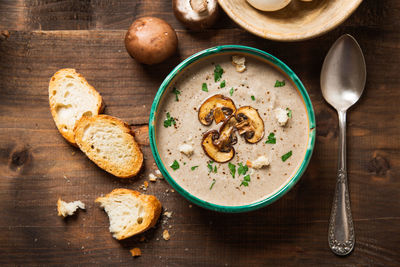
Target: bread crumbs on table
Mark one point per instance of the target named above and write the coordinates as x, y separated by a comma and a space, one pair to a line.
135, 252
168, 214
146, 184
166, 235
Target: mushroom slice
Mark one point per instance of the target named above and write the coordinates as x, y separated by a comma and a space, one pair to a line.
217, 107
219, 153
227, 132
250, 124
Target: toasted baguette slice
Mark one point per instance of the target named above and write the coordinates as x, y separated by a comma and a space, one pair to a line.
71, 97
109, 143
65, 209
130, 212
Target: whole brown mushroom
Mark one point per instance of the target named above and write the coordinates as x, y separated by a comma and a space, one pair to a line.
150, 40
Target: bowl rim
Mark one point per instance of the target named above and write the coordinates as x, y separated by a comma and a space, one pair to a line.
285, 69
263, 33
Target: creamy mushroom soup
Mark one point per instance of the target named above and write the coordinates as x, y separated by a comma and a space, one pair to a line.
258, 144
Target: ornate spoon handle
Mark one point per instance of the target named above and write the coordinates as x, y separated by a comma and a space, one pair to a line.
341, 232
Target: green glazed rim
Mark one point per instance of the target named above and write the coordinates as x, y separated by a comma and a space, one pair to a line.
275, 62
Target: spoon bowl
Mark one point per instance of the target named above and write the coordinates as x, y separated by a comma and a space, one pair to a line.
343, 73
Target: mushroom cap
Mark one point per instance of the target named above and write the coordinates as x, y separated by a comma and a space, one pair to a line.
250, 124
196, 14
150, 40
217, 107
213, 151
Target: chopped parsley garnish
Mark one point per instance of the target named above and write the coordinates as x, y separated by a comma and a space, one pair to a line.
271, 139
175, 165
231, 91
287, 155
232, 168
242, 169
253, 98
204, 87
222, 85
194, 167
246, 180
210, 167
279, 83
218, 71
289, 112
212, 184
176, 92
169, 121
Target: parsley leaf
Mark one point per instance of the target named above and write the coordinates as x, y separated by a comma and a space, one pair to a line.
210, 167
279, 83
286, 156
176, 92
231, 91
215, 169
194, 167
253, 98
246, 180
271, 139
232, 168
218, 71
289, 112
213, 182
175, 165
222, 85
204, 87
242, 169
169, 121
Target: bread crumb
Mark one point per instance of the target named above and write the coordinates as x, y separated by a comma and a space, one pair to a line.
239, 63
186, 149
146, 184
168, 214
142, 238
281, 116
260, 162
159, 174
172, 191
136, 252
166, 235
66, 178
152, 177
166, 190
73, 153
65, 209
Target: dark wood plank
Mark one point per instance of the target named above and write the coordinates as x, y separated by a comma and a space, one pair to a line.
293, 231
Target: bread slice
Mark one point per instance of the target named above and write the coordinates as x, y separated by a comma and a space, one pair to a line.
130, 212
65, 209
71, 97
109, 143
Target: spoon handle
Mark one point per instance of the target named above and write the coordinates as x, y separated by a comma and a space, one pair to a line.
341, 232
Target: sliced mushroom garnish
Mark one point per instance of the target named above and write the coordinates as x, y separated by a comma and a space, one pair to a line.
217, 147
217, 107
250, 124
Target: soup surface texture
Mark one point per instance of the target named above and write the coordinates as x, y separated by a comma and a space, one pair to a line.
233, 183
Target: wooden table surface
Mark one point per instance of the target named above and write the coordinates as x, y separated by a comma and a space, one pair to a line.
37, 166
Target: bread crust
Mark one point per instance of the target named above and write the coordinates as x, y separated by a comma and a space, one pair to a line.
152, 211
125, 171
55, 81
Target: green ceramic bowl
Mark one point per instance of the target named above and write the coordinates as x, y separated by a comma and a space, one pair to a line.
244, 50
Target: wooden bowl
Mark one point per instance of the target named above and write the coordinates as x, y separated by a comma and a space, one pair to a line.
297, 21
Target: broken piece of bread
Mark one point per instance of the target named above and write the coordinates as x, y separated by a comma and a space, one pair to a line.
109, 143
135, 252
130, 212
70, 98
68, 208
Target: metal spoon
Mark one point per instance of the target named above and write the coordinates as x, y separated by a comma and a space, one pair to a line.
342, 83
